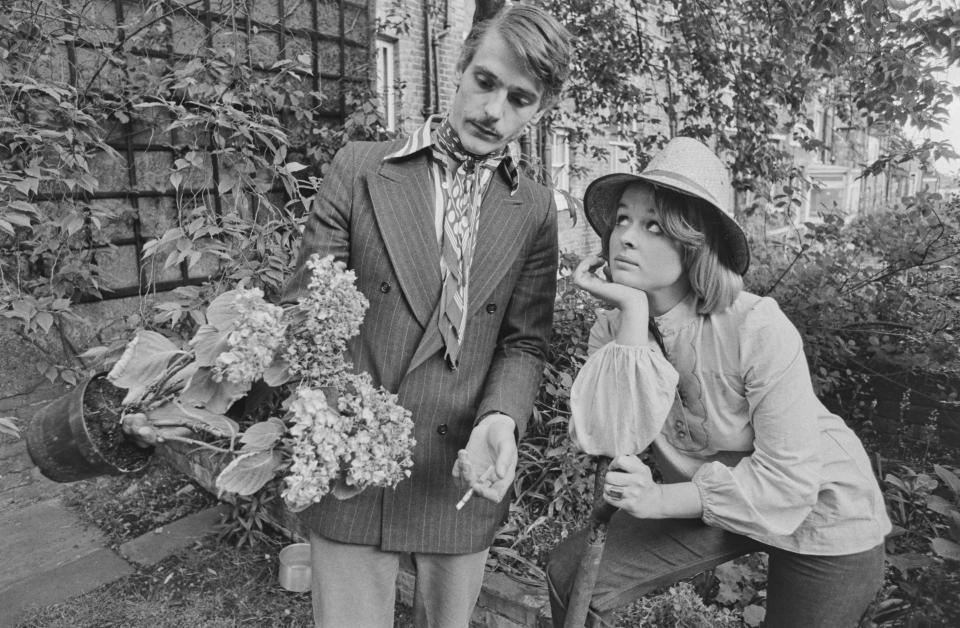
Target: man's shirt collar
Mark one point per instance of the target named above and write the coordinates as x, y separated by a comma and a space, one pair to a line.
423, 138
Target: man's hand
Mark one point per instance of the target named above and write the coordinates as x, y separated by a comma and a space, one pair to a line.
489, 461
147, 434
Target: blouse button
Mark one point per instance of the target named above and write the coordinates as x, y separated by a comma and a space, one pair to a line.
384, 287
442, 429
491, 308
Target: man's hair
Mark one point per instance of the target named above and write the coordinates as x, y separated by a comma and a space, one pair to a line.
536, 38
696, 226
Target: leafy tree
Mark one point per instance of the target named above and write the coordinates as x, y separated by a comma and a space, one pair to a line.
736, 71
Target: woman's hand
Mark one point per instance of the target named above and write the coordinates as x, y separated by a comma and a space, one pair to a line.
632, 303
630, 487
624, 298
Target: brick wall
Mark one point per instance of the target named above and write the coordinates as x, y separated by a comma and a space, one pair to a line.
133, 191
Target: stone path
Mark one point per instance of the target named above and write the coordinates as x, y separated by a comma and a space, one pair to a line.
49, 555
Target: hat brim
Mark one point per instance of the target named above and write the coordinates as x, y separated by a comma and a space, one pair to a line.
602, 197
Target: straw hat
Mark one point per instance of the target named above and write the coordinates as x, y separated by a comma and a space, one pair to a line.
685, 166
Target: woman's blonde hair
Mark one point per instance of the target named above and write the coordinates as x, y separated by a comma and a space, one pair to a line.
695, 225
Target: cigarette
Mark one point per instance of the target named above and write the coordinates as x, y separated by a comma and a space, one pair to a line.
463, 500
466, 496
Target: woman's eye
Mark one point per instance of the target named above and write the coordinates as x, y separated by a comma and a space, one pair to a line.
654, 227
622, 219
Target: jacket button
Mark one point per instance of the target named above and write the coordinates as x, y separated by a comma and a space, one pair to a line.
491, 308
384, 287
442, 429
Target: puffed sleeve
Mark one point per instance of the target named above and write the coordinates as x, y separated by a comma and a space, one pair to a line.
621, 396
771, 491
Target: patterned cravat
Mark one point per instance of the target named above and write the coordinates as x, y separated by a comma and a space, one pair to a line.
466, 177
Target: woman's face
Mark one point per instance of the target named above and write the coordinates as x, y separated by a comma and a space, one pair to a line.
642, 256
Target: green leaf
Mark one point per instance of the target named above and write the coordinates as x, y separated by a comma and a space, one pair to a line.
248, 472
949, 478
909, 560
945, 548
277, 373
753, 615
222, 312
211, 422
262, 435
208, 343
216, 397
143, 363
8, 426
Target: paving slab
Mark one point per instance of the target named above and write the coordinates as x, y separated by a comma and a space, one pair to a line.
42, 537
152, 547
64, 581
21, 482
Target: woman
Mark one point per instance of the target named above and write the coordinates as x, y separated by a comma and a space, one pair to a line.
750, 458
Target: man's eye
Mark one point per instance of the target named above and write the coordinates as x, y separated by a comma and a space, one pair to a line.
483, 81
520, 101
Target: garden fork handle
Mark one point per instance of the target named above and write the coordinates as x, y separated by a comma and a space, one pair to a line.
586, 577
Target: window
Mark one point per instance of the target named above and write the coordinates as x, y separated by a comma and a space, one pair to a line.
560, 158
385, 81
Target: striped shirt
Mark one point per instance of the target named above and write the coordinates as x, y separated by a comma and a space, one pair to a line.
423, 139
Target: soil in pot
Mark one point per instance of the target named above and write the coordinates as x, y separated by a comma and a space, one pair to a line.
101, 411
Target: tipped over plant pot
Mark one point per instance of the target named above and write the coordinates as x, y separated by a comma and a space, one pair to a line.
77, 436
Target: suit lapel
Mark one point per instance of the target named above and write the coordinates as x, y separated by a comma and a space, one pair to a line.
500, 234
502, 229
402, 196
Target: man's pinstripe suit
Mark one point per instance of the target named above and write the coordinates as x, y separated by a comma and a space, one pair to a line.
378, 216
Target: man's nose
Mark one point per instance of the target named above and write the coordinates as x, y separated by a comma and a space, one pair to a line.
493, 107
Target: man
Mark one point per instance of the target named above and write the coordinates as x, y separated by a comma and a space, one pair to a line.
457, 254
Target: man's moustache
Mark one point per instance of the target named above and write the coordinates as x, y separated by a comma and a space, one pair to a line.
486, 127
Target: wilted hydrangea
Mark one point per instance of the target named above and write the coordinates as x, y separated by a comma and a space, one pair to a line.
258, 331
326, 318
366, 441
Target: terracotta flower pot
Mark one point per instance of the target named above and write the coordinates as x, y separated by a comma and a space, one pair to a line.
66, 447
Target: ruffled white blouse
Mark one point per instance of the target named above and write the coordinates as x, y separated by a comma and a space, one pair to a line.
769, 460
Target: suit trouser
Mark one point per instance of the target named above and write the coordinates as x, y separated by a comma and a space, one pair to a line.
641, 555
355, 586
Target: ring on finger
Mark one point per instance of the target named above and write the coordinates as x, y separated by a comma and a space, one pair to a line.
615, 493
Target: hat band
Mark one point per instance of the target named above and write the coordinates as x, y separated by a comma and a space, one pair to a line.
703, 192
